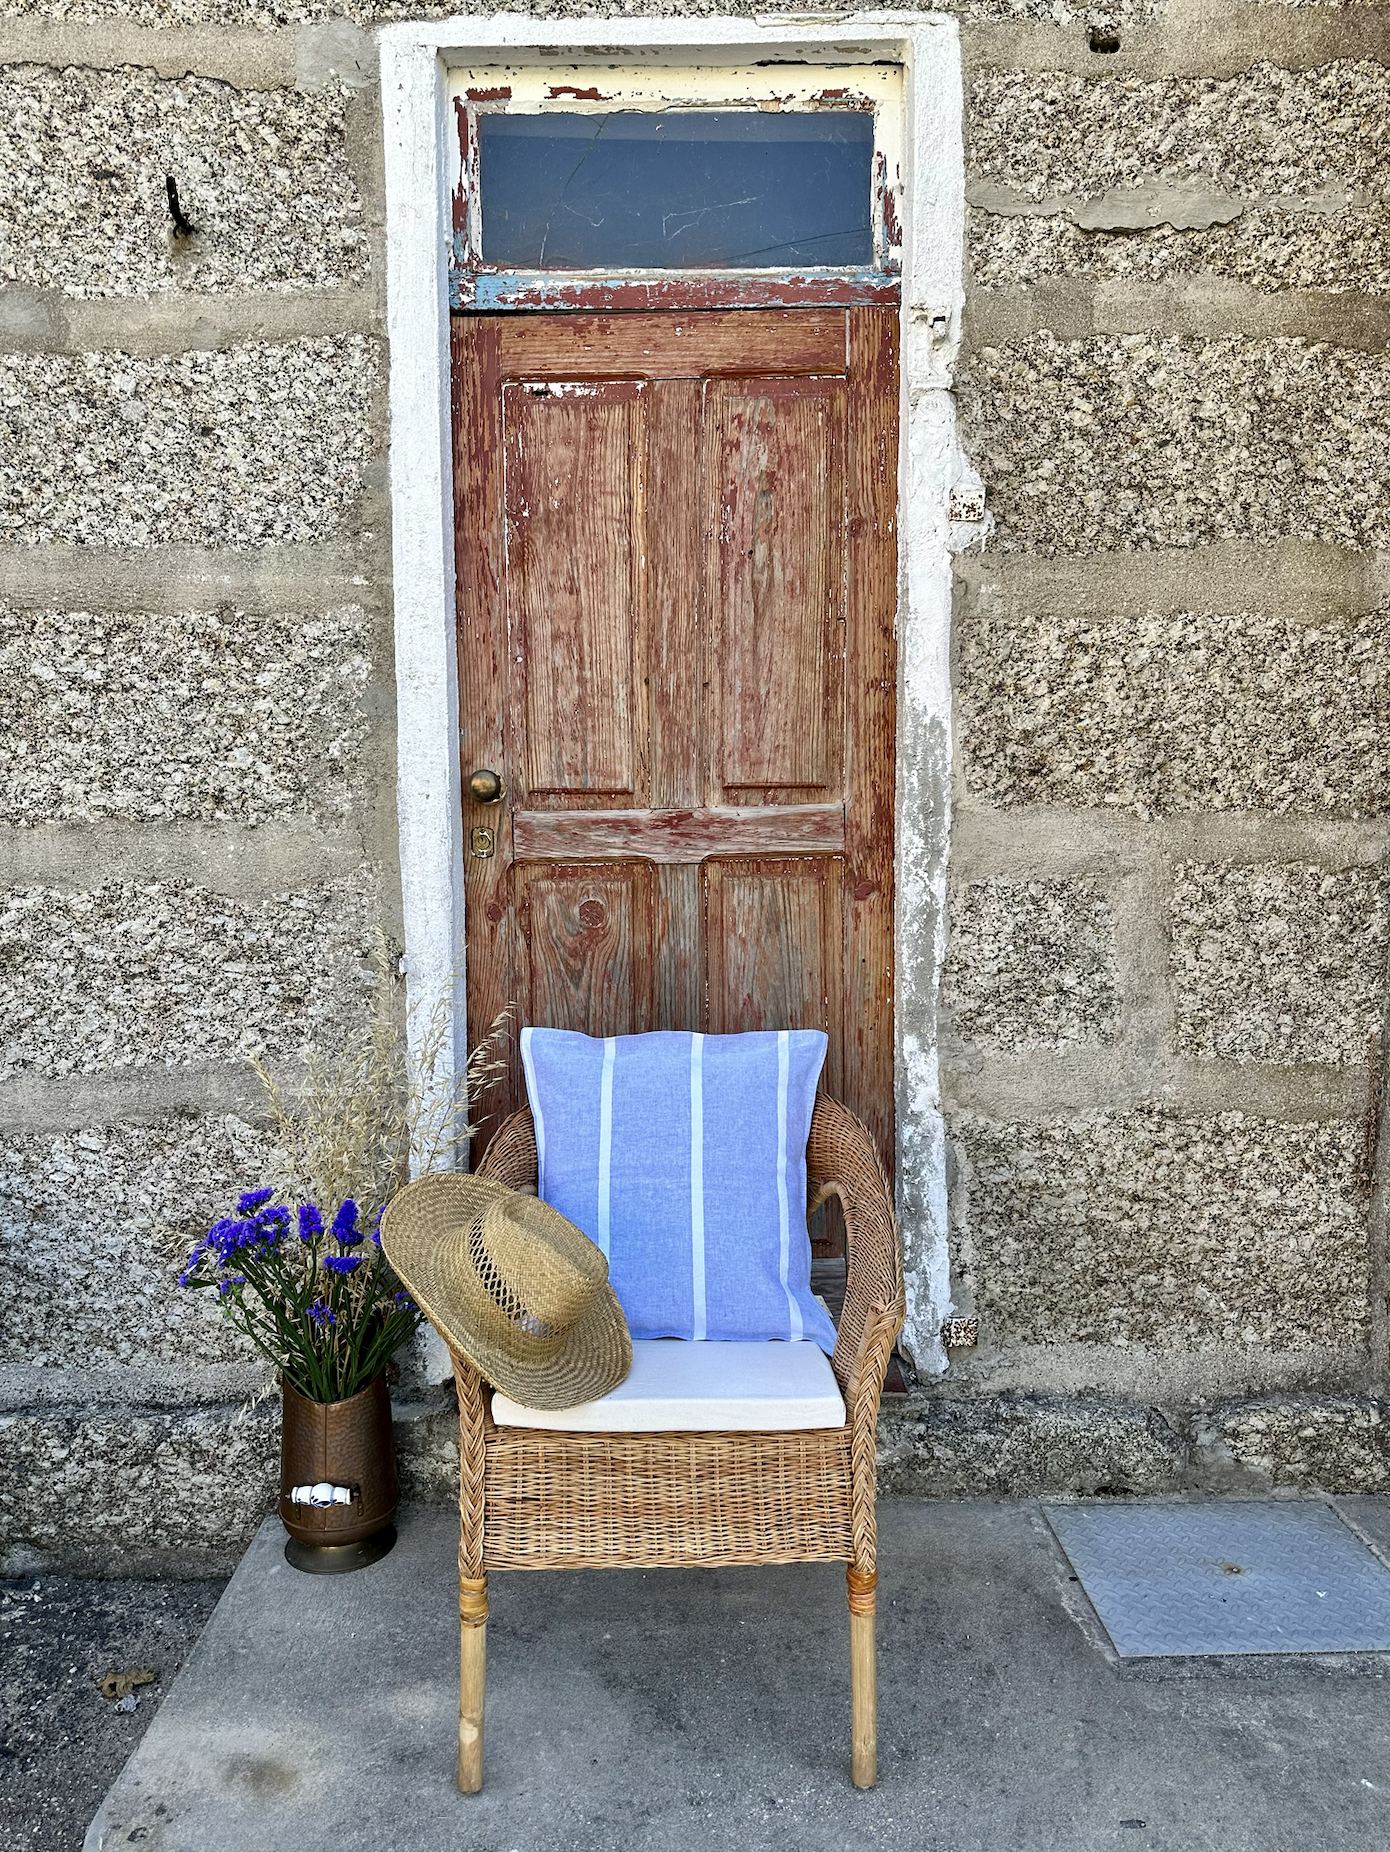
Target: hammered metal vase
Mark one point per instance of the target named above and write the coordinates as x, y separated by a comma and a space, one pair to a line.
344, 1444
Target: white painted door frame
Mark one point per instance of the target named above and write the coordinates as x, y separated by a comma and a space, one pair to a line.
414, 61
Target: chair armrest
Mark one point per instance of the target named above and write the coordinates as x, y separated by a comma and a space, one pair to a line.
511, 1156
841, 1160
475, 1419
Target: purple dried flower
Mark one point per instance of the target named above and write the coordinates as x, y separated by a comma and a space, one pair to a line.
406, 1300
345, 1230
227, 1235
342, 1263
319, 1314
190, 1266
310, 1223
232, 1280
252, 1199
376, 1226
271, 1224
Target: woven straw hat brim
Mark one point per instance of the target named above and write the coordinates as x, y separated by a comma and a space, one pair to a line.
416, 1229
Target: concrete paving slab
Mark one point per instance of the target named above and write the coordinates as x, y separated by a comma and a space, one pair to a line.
662, 1711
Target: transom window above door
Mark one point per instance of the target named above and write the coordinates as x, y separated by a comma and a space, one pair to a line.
599, 187
677, 189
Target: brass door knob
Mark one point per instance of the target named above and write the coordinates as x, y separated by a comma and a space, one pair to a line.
485, 787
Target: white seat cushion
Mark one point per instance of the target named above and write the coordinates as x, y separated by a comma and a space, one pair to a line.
676, 1386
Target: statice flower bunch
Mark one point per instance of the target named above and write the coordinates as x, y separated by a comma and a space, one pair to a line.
320, 1300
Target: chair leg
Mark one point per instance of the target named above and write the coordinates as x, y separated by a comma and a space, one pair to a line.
863, 1677
472, 1680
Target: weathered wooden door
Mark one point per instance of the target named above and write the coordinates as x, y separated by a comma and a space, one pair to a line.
677, 570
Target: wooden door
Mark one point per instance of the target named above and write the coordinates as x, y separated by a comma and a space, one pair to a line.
677, 579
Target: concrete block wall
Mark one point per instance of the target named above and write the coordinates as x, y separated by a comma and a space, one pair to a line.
196, 721
1166, 962
1164, 998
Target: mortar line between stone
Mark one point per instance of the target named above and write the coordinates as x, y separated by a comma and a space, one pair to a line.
1074, 310
289, 575
1221, 46
247, 60
176, 322
1040, 840
1312, 581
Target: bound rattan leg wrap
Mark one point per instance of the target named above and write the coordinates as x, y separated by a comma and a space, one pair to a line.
863, 1677
472, 1680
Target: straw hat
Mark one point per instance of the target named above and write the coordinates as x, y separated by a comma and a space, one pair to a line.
512, 1286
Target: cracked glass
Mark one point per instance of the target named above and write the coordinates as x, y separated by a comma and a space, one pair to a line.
679, 190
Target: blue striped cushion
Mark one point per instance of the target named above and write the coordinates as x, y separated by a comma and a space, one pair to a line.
684, 1157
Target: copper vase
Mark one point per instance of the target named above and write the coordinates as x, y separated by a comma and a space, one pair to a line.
344, 1444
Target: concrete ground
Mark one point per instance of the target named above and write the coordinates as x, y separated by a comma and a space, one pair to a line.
61, 1743
665, 1711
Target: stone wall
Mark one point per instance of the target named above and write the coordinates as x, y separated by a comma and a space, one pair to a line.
1165, 980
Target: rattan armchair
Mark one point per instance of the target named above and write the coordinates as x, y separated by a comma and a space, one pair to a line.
533, 1498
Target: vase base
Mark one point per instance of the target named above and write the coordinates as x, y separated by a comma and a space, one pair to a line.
339, 1558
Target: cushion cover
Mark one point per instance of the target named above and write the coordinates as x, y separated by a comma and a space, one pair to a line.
723, 1388
683, 1157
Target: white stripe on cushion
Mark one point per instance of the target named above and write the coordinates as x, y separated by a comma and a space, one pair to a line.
784, 1056
697, 1185
533, 1095
605, 1138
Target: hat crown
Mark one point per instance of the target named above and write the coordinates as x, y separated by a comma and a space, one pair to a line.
538, 1270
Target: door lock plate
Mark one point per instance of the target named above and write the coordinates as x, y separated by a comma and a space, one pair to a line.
482, 842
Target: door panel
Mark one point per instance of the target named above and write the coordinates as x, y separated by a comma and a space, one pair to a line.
574, 516
705, 344
772, 948
677, 580
586, 936
776, 588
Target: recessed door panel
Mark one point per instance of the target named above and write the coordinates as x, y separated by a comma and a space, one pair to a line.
574, 532
773, 947
586, 938
775, 507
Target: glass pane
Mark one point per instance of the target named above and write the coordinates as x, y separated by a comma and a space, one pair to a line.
689, 189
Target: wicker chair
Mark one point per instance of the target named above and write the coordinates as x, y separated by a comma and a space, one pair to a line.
532, 1498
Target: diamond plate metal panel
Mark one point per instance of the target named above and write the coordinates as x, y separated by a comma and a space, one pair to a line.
1228, 1577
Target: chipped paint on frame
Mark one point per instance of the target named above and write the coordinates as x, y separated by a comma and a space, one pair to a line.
474, 286
490, 292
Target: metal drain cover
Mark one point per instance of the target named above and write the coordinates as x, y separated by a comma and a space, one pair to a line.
1225, 1577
